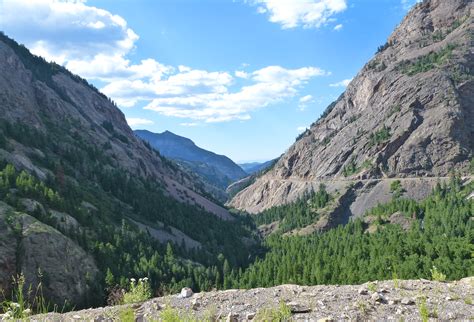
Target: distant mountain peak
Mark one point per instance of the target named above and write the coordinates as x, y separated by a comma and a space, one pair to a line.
217, 169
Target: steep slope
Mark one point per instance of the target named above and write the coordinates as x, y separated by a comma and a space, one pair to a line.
100, 196
216, 169
407, 114
48, 98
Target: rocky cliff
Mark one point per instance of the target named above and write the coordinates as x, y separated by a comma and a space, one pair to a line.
408, 113
50, 99
79, 191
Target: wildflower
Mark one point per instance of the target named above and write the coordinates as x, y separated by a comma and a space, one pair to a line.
15, 305
132, 280
27, 312
145, 279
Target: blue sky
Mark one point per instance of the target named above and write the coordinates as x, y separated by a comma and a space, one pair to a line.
241, 78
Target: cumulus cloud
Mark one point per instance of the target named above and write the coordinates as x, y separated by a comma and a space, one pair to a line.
241, 74
269, 85
338, 27
89, 41
342, 83
135, 121
300, 13
95, 44
304, 101
301, 128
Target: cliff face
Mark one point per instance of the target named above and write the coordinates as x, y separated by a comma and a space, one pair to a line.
408, 113
50, 99
78, 172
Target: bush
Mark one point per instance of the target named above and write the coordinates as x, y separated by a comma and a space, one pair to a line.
282, 313
437, 275
379, 136
427, 62
139, 292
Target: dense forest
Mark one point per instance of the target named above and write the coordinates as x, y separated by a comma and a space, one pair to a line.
122, 251
441, 234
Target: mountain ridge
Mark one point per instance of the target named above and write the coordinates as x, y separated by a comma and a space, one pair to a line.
407, 113
217, 169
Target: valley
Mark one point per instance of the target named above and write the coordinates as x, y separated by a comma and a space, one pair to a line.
367, 215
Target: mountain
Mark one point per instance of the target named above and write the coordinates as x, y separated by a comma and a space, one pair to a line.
83, 198
407, 117
214, 168
254, 167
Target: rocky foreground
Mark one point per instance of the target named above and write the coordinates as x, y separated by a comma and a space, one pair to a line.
388, 300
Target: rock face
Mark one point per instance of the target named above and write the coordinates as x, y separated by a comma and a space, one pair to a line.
48, 97
389, 300
26, 244
408, 113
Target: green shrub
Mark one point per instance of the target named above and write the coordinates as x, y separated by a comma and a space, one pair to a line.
379, 136
127, 315
170, 314
427, 62
282, 313
436, 275
139, 291
396, 188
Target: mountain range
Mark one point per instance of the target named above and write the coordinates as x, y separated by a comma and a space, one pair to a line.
379, 187
407, 116
254, 167
216, 169
83, 197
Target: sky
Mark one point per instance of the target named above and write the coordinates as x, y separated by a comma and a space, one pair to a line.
239, 77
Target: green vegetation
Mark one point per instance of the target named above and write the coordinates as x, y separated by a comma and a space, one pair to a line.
396, 189
379, 136
24, 300
352, 168
84, 172
423, 310
436, 275
127, 315
279, 314
427, 62
298, 214
384, 46
138, 292
441, 236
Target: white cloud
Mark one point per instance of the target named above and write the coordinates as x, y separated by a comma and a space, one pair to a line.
338, 27
89, 41
270, 85
342, 83
95, 44
190, 124
301, 128
134, 121
296, 13
407, 4
304, 101
241, 74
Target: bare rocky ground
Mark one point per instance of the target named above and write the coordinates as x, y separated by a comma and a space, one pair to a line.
399, 300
